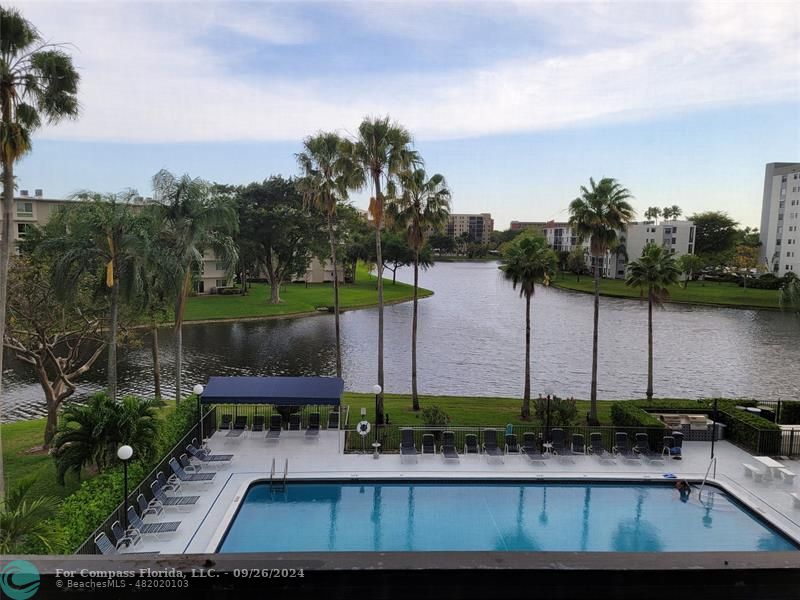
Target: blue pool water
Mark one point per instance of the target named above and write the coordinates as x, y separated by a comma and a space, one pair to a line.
411, 516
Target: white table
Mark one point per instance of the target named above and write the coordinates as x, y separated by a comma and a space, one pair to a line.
772, 465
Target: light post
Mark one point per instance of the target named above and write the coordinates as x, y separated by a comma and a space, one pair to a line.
124, 453
377, 391
198, 391
548, 393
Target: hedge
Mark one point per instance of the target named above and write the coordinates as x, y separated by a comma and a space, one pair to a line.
790, 412
627, 414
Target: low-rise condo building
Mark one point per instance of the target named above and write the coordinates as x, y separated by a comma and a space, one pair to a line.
780, 219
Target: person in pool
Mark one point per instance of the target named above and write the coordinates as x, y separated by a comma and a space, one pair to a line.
684, 489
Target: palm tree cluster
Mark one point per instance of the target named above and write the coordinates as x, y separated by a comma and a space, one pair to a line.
380, 158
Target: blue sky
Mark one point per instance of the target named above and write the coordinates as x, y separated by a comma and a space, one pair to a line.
516, 103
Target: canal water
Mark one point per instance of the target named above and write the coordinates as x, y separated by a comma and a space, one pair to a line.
471, 342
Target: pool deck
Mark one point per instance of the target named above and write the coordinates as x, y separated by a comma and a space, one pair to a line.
204, 525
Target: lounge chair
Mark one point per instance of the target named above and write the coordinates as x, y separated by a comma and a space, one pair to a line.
597, 448
204, 457
622, 448
125, 539
258, 424
154, 529
407, 445
226, 422
275, 426
530, 447
578, 444
148, 508
678, 453
107, 548
173, 484
177, 502
239, 427
490, 447
449, 446
642, 448
557, 440
333, 419
471, 444
428, 444
313, 425
294, 422
187, 464
180, 474
512, 445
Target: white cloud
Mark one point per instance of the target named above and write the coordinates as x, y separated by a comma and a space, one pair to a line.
148, 74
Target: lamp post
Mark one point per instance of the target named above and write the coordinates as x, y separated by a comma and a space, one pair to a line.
377, 391
198, 391
548, 393
124, 453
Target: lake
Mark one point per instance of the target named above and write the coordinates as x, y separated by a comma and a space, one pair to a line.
472, 342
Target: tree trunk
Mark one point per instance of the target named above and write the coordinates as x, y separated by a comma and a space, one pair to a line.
650, 344
394, 275
156, 361
184, 293
112, 336
379, 263
274, 283
526, 396
593, 396
332, 240
5, 253
414, 395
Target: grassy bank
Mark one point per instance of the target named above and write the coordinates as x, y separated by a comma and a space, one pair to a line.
299, 298
712, 293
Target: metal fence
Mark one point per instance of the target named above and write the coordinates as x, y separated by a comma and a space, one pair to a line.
209, 425
267, 410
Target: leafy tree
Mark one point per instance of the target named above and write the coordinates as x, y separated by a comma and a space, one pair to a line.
38, 83
423, 206
327, 174
576, 261
60, 341
745, 258
442, 243
790, 293
715, 233
654, 271
689, 264
284, 234
89, 434
196, 220
597, 214
528, 259
381, 151
23, 520
98, 235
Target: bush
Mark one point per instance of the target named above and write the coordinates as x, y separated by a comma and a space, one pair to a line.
627, 414
433, 416
563, 411
767, 281
790, 412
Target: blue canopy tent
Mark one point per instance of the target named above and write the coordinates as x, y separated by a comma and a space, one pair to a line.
282, 391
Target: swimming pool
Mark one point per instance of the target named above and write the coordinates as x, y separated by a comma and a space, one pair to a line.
494, 516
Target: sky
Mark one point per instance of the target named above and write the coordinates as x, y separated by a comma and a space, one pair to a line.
517, 104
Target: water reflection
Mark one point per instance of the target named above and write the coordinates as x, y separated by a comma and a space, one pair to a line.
471, 342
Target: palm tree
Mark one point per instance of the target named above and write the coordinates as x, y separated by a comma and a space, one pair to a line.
327, 175
38, 83
98, 236
654, 271
528, 259
195, 220
23, 521
422, 207
380, 152
597, 214
652, 213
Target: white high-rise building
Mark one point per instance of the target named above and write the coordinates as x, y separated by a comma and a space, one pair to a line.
780, 219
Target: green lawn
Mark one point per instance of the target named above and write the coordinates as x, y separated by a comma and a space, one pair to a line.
298, 298
724, 294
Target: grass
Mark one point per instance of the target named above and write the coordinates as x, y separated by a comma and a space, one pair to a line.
298, 298
714, 293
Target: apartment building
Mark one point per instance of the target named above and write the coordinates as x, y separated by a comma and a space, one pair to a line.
478, 226
321, 272
677, 236
535, 226
780, 219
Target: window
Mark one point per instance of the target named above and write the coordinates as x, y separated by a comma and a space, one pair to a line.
22, 229
674, 240
672, 250
24, 209
221, 283
219, 266
691, 235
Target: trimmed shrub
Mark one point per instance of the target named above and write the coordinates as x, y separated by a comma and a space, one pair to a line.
627, 414
790, 412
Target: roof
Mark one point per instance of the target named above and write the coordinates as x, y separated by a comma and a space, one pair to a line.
273, 390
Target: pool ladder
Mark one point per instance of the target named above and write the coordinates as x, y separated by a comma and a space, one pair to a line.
275, 483
712, 463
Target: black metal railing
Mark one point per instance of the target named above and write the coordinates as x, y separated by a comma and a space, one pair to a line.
267, 410
209, 425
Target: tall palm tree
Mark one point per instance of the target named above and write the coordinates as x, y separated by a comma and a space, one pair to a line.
654, 271
422, 207
98, 236
380, 152
327, 175
597, 214
38, 83
528, 259
196, 220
